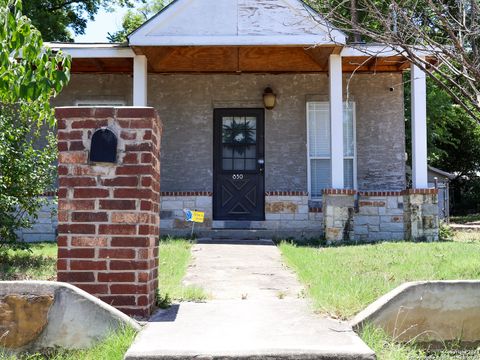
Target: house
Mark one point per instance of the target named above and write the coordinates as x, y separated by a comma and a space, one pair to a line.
272, 122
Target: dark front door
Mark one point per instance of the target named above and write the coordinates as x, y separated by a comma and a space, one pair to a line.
238, 164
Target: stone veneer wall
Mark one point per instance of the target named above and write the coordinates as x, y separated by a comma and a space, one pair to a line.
411, 214
108, 213
338, 208
421, 214
379, 216
286, 212
172, 216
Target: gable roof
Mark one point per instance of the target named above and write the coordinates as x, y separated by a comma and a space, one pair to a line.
236, 23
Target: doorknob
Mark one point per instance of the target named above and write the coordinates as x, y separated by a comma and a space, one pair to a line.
261, 162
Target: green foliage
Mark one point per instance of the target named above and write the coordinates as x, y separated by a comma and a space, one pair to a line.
133, 19
453, 144
445, 232
30, 76
55, 19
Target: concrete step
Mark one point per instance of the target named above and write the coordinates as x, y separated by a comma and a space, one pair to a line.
239, 225
246, 329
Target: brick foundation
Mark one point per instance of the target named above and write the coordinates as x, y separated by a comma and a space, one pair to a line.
108, 214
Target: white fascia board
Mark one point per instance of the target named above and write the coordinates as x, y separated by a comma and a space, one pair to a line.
93, 51
254, 40
380, 50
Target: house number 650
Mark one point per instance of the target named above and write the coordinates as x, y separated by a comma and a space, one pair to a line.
237, 176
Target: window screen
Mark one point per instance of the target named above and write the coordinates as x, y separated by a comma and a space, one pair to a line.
319, 149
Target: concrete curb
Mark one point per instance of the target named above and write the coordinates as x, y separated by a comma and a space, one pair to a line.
429, 311
75, 319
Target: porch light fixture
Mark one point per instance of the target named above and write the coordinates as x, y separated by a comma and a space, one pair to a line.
269, 98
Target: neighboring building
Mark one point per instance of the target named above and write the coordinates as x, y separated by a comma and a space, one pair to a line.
209, 68
441, 180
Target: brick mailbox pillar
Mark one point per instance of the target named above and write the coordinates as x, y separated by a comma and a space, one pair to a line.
108, 213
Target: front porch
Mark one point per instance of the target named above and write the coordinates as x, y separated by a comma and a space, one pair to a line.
337, 125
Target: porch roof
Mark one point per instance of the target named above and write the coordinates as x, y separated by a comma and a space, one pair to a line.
236, 23
118, 58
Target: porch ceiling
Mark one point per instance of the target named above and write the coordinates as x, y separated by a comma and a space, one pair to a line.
238, 59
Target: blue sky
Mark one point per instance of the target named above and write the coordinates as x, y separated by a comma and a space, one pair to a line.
104, 23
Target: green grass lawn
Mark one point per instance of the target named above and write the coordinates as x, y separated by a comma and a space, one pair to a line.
343, 280
40, 263
113, 348
174, 258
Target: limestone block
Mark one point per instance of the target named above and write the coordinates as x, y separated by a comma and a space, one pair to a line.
361, 229
171, 204
391, 219
166, 224
396, 212
391, 202
287, 216
368, 210
303, 209
333, 234
269, 216
367, 220
203, 203
315, 216
391, 226
189, 204
430, 209
301, 216
281, 207
22, 318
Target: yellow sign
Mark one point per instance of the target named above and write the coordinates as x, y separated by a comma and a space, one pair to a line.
198, 216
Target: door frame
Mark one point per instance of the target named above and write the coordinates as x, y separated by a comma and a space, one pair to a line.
217, 135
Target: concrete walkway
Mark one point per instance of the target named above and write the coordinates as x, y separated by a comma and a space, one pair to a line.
257, 311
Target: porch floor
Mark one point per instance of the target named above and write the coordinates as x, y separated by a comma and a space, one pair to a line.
257, 311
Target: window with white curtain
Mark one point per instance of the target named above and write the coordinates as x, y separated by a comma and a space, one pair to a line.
319, 149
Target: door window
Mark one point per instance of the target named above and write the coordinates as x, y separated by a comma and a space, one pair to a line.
239, 143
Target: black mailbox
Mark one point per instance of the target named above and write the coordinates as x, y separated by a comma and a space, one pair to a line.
104, 146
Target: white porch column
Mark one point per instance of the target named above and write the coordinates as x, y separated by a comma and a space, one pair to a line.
419, 128
140, 80
336, 120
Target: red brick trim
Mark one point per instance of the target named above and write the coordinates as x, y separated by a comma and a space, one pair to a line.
286, 193
186, 193
209, 193
339, 192
315, 209
380, 193
420, 192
